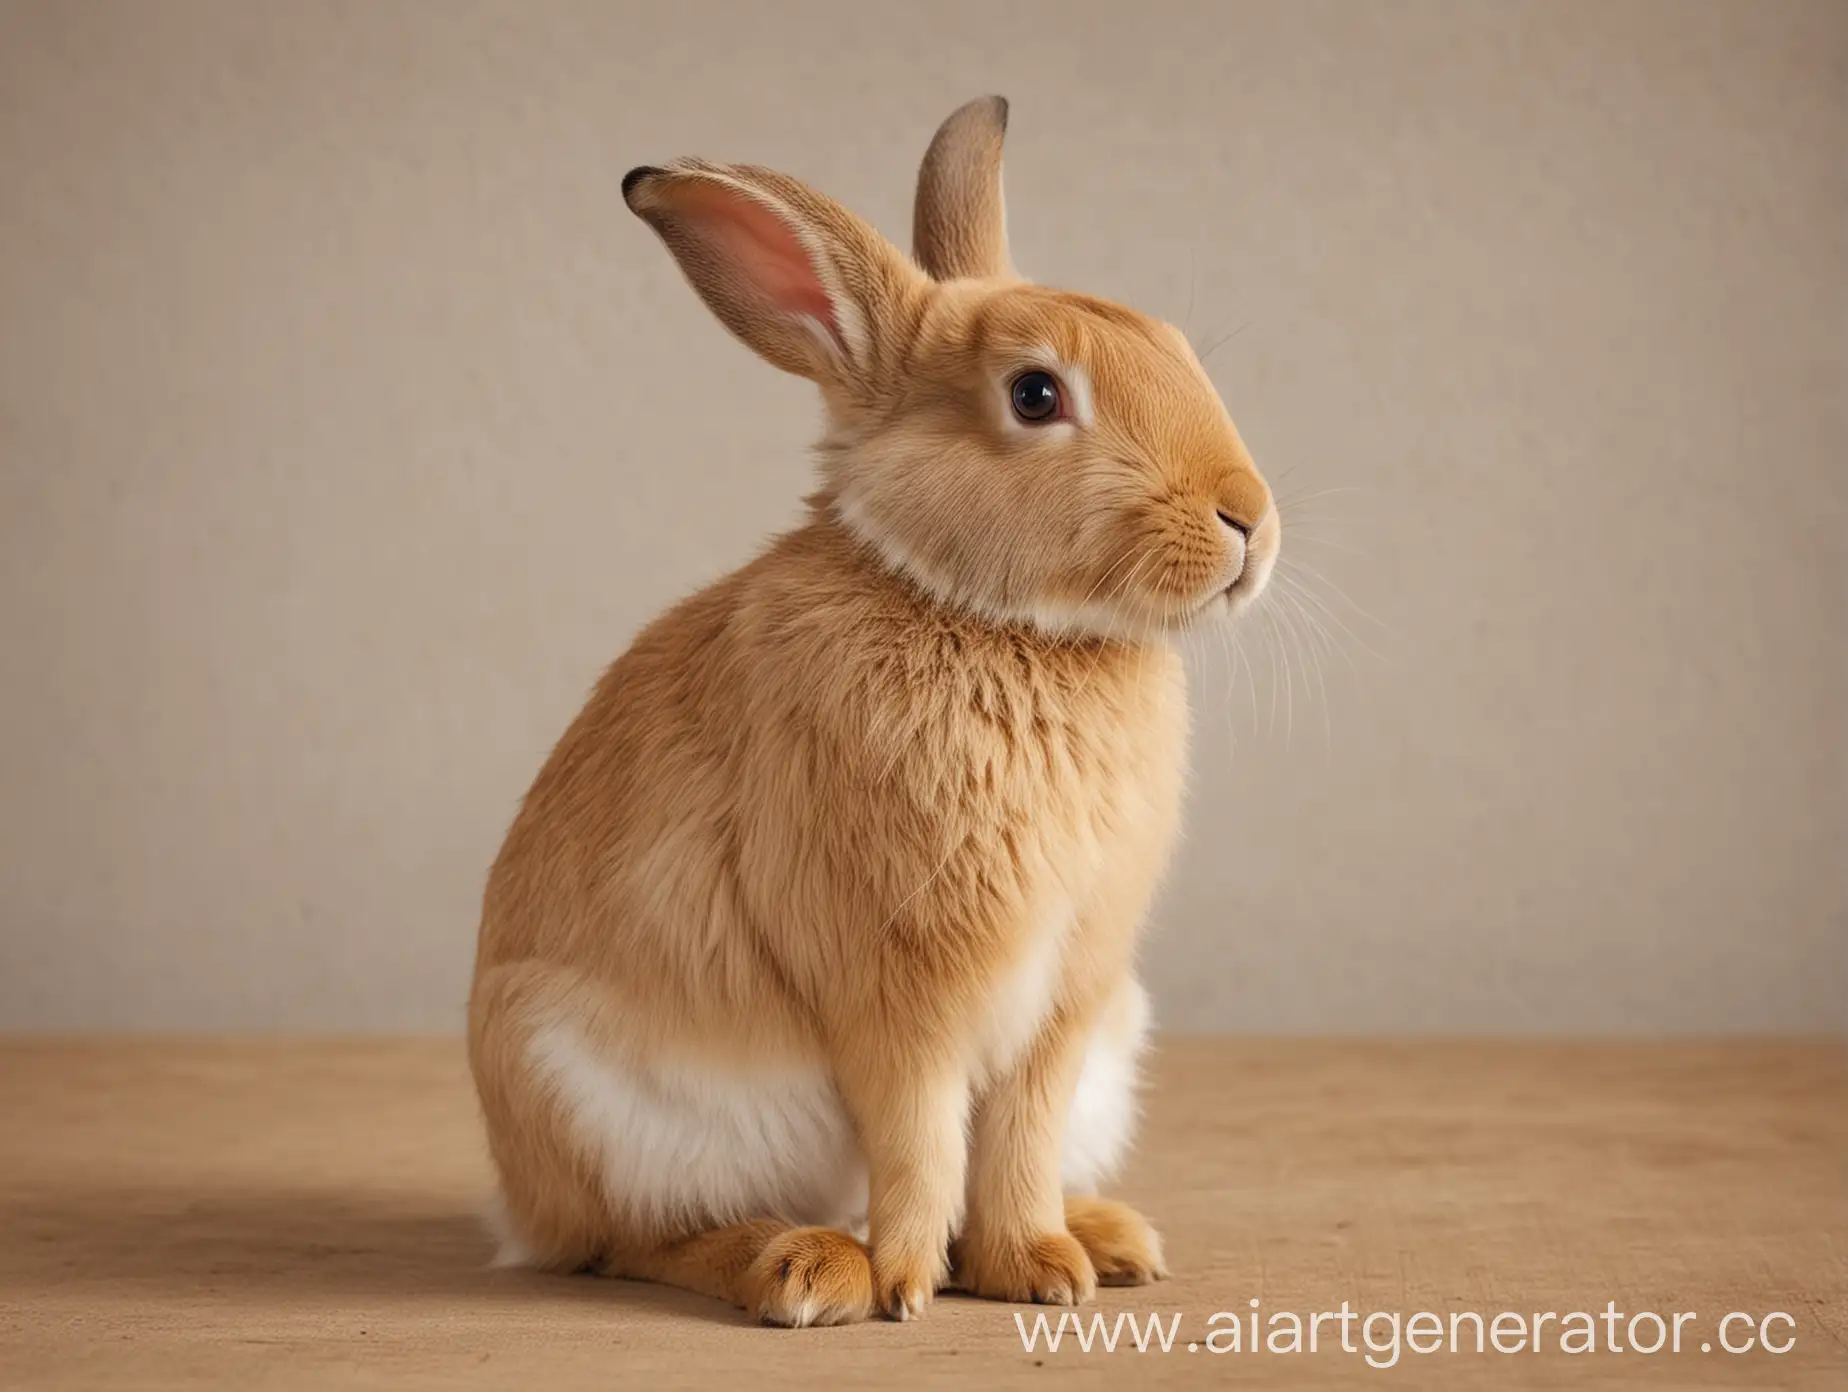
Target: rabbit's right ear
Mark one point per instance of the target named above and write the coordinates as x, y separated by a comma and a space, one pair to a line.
800, 279
959, 222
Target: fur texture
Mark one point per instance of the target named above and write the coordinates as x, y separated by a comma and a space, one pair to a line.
805, 975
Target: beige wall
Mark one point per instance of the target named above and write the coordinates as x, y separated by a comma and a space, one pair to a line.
349, 425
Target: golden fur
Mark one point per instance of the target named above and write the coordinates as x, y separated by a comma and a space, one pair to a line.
884, 808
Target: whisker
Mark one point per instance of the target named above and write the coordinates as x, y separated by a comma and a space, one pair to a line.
1110, 601
1251, 676
1311, 495
1303, 593
1222, 340
1340, 594
1311, 661
1193, 282
929, 879
1302, 538
1280, 668
1224, 633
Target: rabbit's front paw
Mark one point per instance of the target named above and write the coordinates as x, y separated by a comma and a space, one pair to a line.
1047, 1269
903, 1284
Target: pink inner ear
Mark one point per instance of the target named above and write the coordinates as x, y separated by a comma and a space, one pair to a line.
765, 252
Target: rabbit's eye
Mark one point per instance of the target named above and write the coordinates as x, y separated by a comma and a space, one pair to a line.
1036, 397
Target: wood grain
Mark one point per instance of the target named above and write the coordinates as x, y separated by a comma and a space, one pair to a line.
281, 1213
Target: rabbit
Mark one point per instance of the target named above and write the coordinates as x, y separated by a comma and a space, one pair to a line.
805, 976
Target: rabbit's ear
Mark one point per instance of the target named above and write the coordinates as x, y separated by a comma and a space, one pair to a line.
801, 280
959, 224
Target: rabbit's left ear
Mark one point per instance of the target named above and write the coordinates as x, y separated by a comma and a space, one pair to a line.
800, 279
959, 223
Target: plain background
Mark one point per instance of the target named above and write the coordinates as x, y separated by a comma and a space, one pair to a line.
349, 425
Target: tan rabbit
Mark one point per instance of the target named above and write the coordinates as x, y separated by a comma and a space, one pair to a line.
823, 912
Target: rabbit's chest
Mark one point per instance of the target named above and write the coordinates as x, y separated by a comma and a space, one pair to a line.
1081, 829
1092, 783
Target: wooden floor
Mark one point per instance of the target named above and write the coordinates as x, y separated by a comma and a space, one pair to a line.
276, 1214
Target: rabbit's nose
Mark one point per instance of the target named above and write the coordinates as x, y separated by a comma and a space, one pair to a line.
1242, 499
1238, 543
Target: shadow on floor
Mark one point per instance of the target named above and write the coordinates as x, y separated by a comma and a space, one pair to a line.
258, 1244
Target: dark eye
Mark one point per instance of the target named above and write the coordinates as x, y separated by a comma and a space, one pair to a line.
1036, 397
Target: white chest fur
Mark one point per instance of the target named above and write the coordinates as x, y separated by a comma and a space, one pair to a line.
1025, 992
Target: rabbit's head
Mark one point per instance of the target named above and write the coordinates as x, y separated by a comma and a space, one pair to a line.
1036, 455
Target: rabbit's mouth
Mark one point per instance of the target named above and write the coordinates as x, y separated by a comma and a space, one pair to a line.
1242, 593
1243, 584
1222, 604
1254, 570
